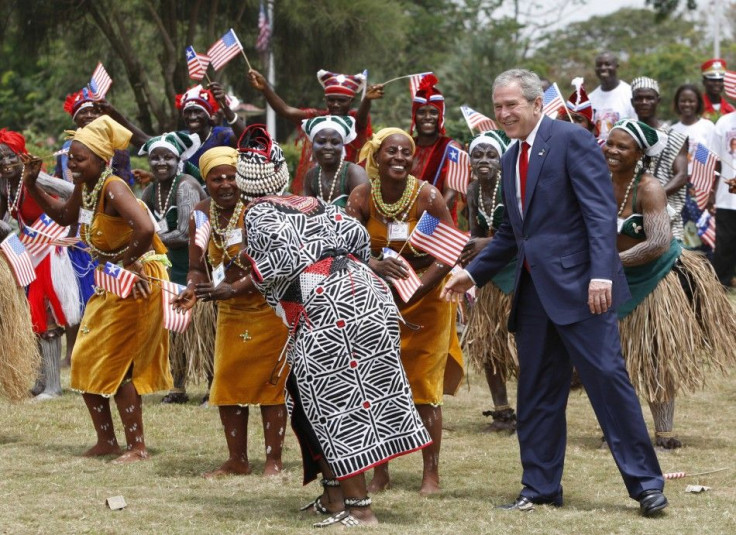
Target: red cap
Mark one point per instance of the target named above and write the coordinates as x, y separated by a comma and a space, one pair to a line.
715, 69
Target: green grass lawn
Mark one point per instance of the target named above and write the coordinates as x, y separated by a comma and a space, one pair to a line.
46, 487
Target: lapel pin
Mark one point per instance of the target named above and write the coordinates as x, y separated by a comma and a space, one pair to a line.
541, 152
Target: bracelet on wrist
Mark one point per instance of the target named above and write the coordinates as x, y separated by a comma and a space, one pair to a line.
234, 119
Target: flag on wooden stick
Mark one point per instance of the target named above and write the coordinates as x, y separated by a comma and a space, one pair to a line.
19, 260
173, 319
552, 101
38, 238
408, 286
476, 120
438, 239
201, 229
196, 63
100, 83
224, 49
458, 169
114, 279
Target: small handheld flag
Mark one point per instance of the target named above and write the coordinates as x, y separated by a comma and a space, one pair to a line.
39, 237
476, 120
552, 101
408, 286
19, 260
224, 49
703, 173
100, 83
114, 279
438, 239
458, 169
201, 229
173, 320
415, 80
196, 63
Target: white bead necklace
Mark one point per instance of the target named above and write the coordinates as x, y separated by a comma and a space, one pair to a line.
335, 178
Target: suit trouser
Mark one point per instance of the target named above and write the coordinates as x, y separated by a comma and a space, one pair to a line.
724, 257
547, 353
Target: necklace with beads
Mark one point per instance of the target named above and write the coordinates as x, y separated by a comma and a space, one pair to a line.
393, 209
481, 205
220, 235
13, 206
89, 202
637, 174
162, 209
335, 178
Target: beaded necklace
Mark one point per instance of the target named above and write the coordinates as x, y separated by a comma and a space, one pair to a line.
482, 208
220, 235
89, 202
172, 191
335, 178
637, 174
13, 206
393, 209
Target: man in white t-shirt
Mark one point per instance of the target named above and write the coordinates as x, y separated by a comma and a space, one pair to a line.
723, 143
612, 99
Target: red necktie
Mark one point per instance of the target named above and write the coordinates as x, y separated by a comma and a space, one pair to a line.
523, 167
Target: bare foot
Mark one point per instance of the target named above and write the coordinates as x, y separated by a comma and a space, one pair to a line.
132, 456
99, 450
230, 468
272, 467
379, 483
430, 485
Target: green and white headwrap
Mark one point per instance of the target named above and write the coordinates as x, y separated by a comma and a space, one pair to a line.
183, 144
343, 125
650, 140
495, 138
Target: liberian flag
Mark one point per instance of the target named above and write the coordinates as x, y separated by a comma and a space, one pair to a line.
38, 237
224, 49
100, 82
174, 320
201, 230
458, 169
19, 260
408, 286
196, 63
115, 279
552, 101
476, 120
706, 227
729, 84
442, 241
703, 173
415, 80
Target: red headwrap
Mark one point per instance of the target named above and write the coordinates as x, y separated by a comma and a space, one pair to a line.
75, 101
15, 141
199, 97
428, 95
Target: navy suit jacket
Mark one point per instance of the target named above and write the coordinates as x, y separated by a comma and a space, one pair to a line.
568, 233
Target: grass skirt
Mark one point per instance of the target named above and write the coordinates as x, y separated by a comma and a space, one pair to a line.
192, 352
486, 338
20, 357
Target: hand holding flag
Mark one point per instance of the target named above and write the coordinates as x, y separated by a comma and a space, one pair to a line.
408, 286
174, 320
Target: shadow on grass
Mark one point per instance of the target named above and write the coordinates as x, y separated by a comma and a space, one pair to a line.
9, 439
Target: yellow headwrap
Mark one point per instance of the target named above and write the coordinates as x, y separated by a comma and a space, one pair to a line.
369, 150
217, 156
103, 136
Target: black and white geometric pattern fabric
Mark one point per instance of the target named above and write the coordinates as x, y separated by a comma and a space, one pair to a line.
345, 350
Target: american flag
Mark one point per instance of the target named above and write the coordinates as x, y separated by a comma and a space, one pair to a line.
408, 286
552, 101
115, 279
706, 227
19, 260
264, 31
729, 84
100, 82
201, 229
438, 239
38, 237
196, 63
173, 320
458, 169
476, 120
415, 80
703, 173
224, 49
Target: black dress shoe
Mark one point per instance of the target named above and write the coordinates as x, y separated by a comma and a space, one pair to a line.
651, 502
524, 503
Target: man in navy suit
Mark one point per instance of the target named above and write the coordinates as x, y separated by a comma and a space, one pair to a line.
560, 219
